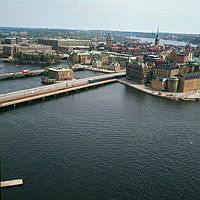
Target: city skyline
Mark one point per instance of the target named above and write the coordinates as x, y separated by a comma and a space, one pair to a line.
133, 16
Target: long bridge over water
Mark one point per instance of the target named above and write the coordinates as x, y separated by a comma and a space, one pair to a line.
66, 87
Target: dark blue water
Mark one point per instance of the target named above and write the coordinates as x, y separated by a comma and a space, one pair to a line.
111, 143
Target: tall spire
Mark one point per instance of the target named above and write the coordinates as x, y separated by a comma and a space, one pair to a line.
157, 37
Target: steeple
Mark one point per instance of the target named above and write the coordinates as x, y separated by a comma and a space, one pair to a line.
109, 40
157, 38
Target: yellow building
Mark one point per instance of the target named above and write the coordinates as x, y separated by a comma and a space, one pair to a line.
159, 83
189, 82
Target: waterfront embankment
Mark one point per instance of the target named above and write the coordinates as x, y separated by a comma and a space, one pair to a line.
183, 96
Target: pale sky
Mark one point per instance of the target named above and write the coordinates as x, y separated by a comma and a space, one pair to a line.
180, 16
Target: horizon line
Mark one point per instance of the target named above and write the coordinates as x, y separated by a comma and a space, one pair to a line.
96, 29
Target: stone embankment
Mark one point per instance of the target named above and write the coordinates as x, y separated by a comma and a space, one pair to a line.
179, 96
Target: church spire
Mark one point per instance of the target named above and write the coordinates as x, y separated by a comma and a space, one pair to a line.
157, 38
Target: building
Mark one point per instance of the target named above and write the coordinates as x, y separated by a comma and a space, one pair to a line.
60, 74
20, 40
97, 64
84, 58
23, 33
172, 85
180, 57
11, 41
115, 67
122, 59
109, 41
55, 43
165, 70
159, 83
189, 82
139, 72
165, 84
11, 50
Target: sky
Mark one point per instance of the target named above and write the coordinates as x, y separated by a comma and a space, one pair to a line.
177, 16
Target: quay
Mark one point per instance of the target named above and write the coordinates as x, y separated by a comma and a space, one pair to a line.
28, 95
21, 74
179, 96
11, 183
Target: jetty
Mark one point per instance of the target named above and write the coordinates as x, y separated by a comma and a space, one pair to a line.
11, 183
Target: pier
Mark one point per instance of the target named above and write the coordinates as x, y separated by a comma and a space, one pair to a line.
28, 95
21, 74
11, 183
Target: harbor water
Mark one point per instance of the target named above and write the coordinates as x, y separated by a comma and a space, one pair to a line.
111, 142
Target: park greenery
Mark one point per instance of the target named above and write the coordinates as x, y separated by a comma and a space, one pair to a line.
45, 59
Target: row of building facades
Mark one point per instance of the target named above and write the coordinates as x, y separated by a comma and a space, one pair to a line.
161, 67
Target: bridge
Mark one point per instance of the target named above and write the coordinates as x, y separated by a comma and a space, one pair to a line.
90, 68
28, 95
21, 74
4, 60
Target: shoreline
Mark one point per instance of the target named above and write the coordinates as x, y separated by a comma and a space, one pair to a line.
186, 96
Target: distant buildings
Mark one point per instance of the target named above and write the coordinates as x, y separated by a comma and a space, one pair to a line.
11, 50
65, 45
11, 41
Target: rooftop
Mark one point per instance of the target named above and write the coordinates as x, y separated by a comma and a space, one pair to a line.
166, 66
190, 75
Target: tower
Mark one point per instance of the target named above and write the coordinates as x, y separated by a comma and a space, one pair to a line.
157, 40
109, 41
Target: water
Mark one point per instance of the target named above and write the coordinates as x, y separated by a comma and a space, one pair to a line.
111, 143
9, 85
162, 41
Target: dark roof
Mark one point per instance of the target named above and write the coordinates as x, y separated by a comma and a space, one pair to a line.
166, 66
190, 75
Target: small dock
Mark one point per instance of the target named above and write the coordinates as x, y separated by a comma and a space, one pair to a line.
11, 183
